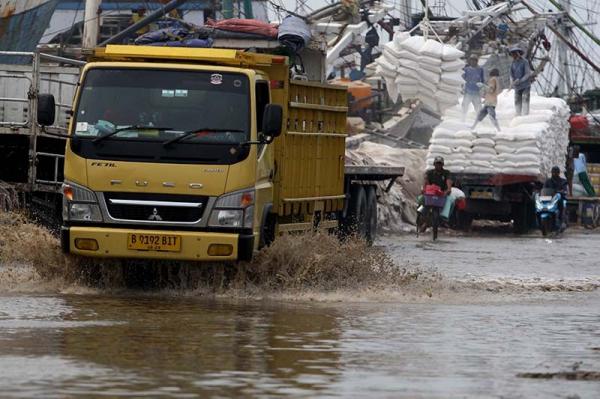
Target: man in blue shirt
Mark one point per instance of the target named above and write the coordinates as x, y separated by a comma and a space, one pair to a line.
560, 186
520, 75
502, 31
472, 75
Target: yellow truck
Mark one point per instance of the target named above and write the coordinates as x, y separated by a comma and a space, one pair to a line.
205, 154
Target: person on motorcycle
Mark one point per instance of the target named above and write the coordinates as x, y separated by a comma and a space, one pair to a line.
439, 176
559, 186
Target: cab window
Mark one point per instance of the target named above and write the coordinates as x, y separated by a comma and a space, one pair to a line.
262, 99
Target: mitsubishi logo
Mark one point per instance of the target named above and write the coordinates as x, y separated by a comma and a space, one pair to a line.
155, 216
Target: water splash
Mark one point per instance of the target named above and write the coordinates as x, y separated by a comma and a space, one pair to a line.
310, 266
31, 260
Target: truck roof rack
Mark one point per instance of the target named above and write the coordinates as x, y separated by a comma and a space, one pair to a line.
210, 55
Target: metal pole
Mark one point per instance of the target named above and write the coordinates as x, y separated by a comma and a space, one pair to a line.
248, 12
143, 22
63, 60
227, 9
425, 24
33, 108
91, 23
404, 8
564, 78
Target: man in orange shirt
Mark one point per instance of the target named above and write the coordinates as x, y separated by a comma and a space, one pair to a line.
492, 89
173, 13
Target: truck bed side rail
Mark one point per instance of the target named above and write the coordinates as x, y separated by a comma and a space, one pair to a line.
310, 153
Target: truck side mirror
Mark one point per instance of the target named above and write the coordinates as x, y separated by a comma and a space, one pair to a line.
272, 120
46, 108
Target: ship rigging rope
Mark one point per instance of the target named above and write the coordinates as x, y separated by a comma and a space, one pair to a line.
571, 18
104, 14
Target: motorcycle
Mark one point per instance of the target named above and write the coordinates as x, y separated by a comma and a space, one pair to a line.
547, 211
428, 214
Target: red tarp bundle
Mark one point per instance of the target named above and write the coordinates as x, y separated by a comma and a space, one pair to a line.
433, 189
244, 25
579, 122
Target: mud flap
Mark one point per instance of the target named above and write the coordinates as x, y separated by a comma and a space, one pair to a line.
245, 247
65, 239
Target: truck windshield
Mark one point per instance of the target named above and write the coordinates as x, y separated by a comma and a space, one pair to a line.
141, 109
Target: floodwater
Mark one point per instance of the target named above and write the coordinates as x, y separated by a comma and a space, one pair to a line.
492, 311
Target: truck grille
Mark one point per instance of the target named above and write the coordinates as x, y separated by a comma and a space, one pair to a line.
155, 207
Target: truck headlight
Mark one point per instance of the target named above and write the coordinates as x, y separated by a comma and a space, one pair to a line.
84, 212
233, 210
227, 218
80, 204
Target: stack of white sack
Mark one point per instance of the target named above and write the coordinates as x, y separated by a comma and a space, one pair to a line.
425, 69
526, 145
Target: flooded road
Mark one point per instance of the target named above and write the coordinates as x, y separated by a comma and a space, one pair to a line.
484, 312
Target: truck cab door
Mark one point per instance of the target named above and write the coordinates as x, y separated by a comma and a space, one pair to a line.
265, 157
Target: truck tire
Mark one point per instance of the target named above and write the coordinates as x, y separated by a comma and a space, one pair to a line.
522, 217
357, 212
267, 228
435, 221
466, 221
517, 219
546, 226
371, 222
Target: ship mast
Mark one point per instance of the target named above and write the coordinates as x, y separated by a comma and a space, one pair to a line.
565, 84
91, 24
405, 8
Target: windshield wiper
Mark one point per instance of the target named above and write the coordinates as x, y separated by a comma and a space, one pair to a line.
190, 133
132, 127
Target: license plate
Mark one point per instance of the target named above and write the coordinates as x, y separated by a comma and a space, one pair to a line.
482, 194
154, 242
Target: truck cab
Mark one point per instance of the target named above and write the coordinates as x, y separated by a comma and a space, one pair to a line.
169, 158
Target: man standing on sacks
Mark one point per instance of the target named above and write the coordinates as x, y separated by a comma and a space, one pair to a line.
492, 89
520, 75
473, 75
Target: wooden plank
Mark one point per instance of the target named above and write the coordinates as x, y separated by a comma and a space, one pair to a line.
283, 228
333, 108
340, 135
374, 172
321, 198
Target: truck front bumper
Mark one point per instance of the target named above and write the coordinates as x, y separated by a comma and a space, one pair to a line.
112, 243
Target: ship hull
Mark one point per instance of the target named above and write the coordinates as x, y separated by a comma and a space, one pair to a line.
22, 24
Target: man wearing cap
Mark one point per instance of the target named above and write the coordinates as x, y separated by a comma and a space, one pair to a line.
520, 75
473, 74
559, 186
439, 176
